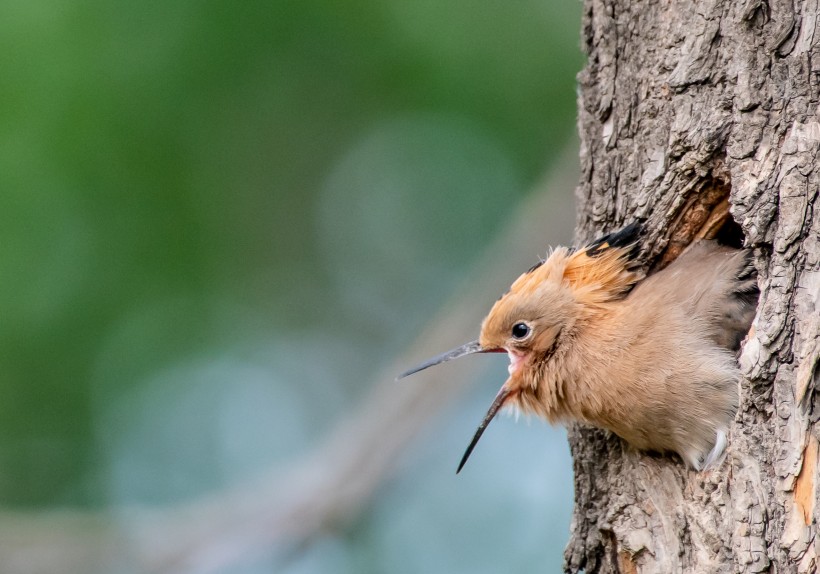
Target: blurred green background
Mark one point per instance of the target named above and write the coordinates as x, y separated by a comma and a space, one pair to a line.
219, 220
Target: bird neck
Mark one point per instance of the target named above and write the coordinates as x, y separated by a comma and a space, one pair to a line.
569, 382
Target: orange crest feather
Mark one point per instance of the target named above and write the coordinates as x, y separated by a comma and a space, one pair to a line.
606, 276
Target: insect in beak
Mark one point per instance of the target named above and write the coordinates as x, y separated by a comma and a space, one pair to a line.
497, 404
470, 348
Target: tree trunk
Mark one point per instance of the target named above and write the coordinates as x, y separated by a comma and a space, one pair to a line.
684, 105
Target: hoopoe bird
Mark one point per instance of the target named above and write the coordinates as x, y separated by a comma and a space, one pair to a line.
590, 338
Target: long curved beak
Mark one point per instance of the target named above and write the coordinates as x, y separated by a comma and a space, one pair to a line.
497, 404
466, 349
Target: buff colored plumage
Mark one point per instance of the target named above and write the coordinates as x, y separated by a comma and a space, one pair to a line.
650, 359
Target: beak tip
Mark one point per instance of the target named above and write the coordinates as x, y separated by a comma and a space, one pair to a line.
466, 349
409, 372
502, 396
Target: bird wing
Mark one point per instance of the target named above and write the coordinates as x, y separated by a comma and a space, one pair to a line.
711, 282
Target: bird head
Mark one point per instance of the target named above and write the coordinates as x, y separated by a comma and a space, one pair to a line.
526, 322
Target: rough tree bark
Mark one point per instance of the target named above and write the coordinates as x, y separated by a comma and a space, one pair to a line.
682, 106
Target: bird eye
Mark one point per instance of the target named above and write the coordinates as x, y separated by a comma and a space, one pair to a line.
520, 330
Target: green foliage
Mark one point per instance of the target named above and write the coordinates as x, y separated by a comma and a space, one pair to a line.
210, 200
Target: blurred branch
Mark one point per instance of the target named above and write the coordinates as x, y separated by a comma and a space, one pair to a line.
329, 486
